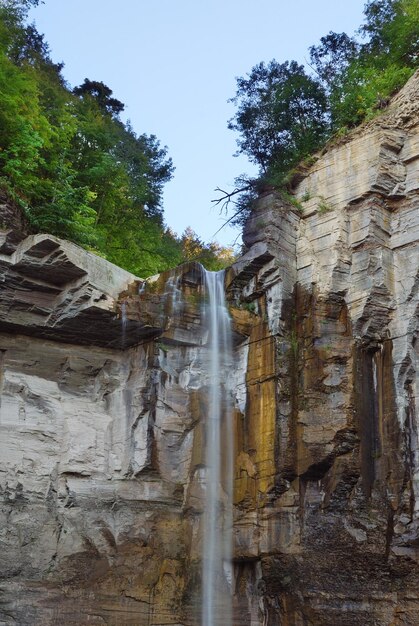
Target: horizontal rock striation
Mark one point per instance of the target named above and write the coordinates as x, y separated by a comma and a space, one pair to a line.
101, 482
102, 399
327, 475
55, 289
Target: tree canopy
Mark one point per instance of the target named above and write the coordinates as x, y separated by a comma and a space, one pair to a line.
281, 115
79, 171
76, 169
101, 95
285, 112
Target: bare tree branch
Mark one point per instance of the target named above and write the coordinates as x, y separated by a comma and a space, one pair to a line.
230, 219
226, 198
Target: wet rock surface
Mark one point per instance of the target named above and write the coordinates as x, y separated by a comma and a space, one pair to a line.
103, 400
54, 289
101, 480
327, 512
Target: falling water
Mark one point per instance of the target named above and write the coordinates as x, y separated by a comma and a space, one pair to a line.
217, 539
124, 322
174, 291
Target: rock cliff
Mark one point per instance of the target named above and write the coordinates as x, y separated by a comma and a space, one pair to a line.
102, 400
327, 516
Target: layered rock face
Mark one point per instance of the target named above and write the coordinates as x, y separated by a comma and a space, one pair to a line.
327, 495
103, 403
95, 446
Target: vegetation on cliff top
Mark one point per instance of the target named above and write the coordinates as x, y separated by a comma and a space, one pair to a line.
285, 112
75, 168
78, 171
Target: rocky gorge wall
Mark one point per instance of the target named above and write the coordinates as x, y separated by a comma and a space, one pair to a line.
102, 406
327, 521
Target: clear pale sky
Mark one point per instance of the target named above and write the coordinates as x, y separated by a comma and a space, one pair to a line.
173, 63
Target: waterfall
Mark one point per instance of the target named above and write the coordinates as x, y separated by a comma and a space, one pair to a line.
217, 537
124, 322
174, 291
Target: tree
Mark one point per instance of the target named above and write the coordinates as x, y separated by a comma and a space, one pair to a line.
332, 56
392, 28
102, 95
281, 115
147, 166
213, 256
17, 10
75, 168
381, 66
15, 38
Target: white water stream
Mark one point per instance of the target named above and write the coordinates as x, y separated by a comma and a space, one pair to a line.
217, 538
124, 322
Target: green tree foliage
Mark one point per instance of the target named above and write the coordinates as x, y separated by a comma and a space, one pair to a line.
332, 56
101, 94
284, 114
77, 170
281, 115
364, 89
362, 77
213, 256
392, 27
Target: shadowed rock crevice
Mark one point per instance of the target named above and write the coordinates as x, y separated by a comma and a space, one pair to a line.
103, 395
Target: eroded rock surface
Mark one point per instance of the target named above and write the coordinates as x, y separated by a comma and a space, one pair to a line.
327, 475
98, 440
103, 401
55, 289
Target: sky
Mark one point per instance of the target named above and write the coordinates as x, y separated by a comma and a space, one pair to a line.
173, 63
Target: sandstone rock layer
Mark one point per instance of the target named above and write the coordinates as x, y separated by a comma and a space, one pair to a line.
328, 535
103, 402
